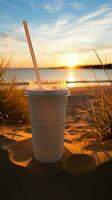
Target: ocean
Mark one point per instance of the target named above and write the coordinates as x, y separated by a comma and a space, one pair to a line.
74, 77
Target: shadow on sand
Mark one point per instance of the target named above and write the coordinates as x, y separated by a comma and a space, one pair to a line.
74, 177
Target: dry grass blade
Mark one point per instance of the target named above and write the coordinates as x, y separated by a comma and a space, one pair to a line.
109, 78
101, 108
13, 103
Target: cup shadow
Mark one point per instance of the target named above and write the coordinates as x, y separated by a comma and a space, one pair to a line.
43, 169
21, 151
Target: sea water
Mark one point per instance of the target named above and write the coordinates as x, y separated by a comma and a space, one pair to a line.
76, 77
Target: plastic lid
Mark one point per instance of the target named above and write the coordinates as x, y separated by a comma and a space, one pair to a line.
48, 88
48, 92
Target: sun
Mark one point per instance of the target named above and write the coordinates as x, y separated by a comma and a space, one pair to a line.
70, 60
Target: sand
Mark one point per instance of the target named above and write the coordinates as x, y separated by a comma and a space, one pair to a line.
83, 157
75, 141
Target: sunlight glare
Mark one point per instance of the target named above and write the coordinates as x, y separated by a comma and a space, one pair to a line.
71, 60
71, 79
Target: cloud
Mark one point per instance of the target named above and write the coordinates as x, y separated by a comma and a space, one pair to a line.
71, 34
76, 5
69, 31
66, 34
4, 35
102, 10
55, 28
50, 6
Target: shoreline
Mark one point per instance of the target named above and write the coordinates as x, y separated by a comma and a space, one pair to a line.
87, 88
67, 82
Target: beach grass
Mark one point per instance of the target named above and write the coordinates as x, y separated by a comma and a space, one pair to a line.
101, 108
102, 115
13, 103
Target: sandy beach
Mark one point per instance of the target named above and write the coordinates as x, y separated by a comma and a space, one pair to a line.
83, 156
76, 128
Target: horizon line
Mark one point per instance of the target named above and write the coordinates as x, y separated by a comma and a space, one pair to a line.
66, 67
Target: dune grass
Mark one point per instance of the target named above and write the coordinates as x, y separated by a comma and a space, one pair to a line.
13, 103
101, 108
102, 116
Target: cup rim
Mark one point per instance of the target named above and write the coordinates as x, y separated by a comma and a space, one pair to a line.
64, 92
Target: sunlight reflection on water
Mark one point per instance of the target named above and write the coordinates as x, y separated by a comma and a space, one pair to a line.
73, 77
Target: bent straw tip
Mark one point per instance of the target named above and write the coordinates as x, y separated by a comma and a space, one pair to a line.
24, 21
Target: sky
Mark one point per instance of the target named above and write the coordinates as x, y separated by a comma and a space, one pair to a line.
63, 32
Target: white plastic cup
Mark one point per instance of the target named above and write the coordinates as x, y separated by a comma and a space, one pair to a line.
47, 114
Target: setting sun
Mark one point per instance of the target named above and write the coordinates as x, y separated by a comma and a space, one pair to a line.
70, 60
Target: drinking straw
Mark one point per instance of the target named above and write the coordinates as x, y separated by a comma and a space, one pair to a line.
32, 52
